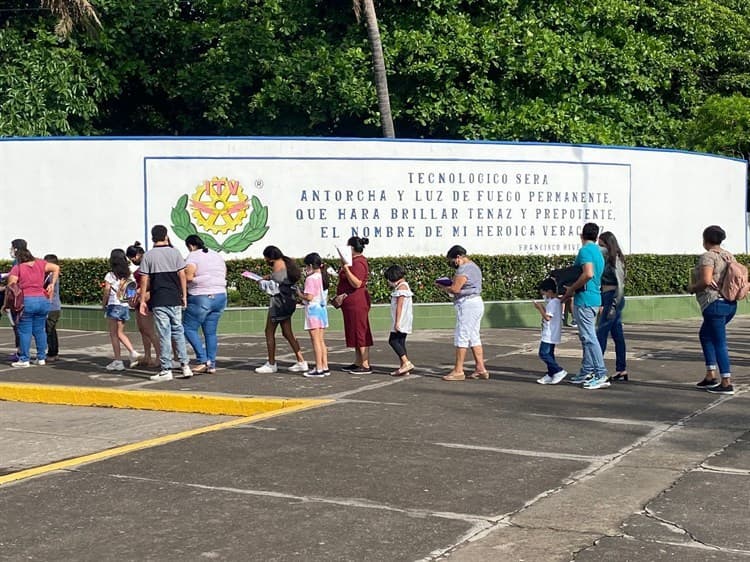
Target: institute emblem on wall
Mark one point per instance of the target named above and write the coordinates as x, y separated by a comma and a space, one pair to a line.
222, 214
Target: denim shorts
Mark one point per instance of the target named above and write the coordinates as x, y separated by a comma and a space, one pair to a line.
118, 312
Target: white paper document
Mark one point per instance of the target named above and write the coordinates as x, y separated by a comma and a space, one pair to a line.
346, 254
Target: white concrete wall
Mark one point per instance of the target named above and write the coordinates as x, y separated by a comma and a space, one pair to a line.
83, 197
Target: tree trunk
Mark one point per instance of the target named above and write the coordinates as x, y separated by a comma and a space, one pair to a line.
378, 67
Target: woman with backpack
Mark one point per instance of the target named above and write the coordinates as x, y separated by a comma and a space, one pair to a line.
717, 311
28, 275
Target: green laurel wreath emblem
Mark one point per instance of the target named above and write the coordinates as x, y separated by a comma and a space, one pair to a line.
254, 230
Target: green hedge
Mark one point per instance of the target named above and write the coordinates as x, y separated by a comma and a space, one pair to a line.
505, 277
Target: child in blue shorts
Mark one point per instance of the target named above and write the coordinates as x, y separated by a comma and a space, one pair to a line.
117, 311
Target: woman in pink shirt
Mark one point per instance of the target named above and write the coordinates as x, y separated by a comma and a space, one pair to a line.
206, 274
29, 273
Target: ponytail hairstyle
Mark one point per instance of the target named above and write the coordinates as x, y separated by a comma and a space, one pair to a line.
135, 250
118, 264
358, 244
197, 241
315, 261
613, 248
293, 272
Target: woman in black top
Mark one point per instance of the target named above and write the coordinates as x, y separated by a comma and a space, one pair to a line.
613, 301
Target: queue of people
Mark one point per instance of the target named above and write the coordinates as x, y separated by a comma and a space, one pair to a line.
180, 300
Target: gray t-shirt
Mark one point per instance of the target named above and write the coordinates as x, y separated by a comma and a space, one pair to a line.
710, 259
162, 265
473, 285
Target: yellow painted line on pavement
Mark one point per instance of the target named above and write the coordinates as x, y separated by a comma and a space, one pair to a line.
303, 404
162, 401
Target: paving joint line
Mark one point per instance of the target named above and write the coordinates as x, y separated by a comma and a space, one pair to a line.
344, 502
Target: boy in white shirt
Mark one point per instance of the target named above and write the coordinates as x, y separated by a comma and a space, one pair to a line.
551, 311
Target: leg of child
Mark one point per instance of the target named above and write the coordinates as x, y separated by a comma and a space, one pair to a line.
315, 340
123, 338
397, 341
114, 337
52, 341
323, 348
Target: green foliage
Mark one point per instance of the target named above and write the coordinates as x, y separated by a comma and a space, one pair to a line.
47, 86
722, 125
593, 71
506, 278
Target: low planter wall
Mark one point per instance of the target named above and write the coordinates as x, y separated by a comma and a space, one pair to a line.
498, 314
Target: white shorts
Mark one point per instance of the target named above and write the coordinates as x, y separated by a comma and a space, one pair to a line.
469, 312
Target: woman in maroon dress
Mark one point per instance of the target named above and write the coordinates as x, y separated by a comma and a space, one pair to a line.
354, 300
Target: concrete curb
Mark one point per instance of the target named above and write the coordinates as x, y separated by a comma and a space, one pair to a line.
152, 400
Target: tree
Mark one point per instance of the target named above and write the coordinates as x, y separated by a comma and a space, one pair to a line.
722, 125
71, 12
378, 64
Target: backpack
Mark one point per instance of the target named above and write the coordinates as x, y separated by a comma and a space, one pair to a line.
734, 285
565, 277
14, 299
128, 292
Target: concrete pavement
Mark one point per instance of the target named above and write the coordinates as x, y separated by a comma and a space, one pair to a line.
387, 469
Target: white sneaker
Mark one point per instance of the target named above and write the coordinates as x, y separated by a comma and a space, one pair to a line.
559, 376
41, 362
116, 365
20, 364
186, 372
266, 368
163, 375
299, 367
134, 359
546, 379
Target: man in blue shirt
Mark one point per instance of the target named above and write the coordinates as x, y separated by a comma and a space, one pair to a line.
593, 373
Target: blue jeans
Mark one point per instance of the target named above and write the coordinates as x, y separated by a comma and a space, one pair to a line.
713, 335
33, 322
203, 312
593, 360
612, 326
547, 354
168, 323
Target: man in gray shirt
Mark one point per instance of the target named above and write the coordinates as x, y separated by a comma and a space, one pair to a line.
164, 288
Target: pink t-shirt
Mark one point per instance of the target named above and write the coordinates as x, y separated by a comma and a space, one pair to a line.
210, 273
31, 278
316, 313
